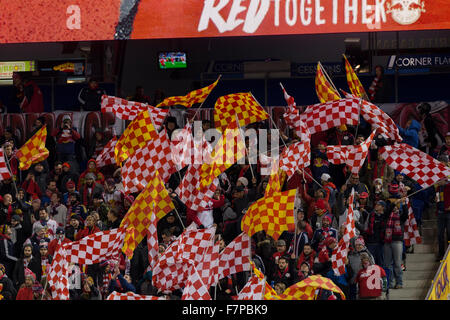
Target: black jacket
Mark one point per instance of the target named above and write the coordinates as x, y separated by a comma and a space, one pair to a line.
19, 271
90, 99
8, 291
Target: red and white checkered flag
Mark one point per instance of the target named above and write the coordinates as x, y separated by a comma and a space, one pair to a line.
353, 156
192, 193
58, 275
411, 234
208, 269
131, 296
296, 156
102, 245
235, 257
152, 242
377, 118
416, 164
128, 110
106, 157
289, 100
138, 170
4, 172
324, 116
195, 288
193, 244
340, 252
253, 290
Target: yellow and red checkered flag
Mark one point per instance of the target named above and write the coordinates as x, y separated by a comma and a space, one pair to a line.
193, 97
34, 150
273, 214
242, 105
305, 289
273, 186
324, 89
154, 199
269, 292
353, 81
129, 242
135, 136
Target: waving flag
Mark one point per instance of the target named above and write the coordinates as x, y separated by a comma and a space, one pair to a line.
154, 199
208, 269
193, 97
4, 171
34, 150
131, 296
273, 214
242, 105
235, 257
305, 289
152, 242
353, 81
135, 136
137, 171
106, 157
296, 156
353, 156
195, 288
58, 275
193, 245
129, 110
339, 254
269, 292
411, 233
273, 186
416, 164
253, 290
324, 89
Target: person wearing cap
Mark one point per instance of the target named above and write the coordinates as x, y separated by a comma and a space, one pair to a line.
25, 291
99, 178
70, 188
357, 248
45, 258
74, 207
26, 261
370, 279
21, 229
323, 233
7, 291
322, 264
46, 222
75, 225
319, 196
7, 254
280, 250
60, 238
68, 174
89, 189
330, 189
65, 137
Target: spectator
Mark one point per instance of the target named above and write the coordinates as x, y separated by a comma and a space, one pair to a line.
358, 248
430, 137
322, 263
299, 241
57, 210
171, 223
21, 229
308, 255
26, 291
90, 97
330, 189
120, 283
60, 238
66, 136
90, 228
379, 90
113, 197
89, 190
56, 175
49, 225
323, 233
33, 101
374, 233
370, 279
304, 271
75, 226
26, 261
68, 176
45, 258
8, 291
6, 209
445, 148
7, 255
139, 96
97, 146
284, 272
319, 161
410, 133
113, 219
92, 168
74, 207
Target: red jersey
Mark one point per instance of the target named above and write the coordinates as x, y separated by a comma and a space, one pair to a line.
370, 281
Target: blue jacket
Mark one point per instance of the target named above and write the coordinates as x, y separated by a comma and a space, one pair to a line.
410, 135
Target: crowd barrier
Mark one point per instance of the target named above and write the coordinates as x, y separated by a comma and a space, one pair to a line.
440, 288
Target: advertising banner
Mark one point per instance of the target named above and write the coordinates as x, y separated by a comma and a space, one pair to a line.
82, 20
440, 289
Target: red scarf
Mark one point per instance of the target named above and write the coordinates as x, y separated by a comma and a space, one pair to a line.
375, 171
373, 88
393, 226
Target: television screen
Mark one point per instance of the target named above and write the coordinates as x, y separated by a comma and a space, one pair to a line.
172, 60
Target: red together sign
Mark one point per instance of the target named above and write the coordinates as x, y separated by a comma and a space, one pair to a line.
69, 20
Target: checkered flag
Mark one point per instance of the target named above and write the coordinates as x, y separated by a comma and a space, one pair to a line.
195, 288
324, 89
235, 257
131, 296
4, 172
324, 116
58, 275
34, 150
137, 171
208, 269
152, 241
102, 245
296, 156
416, 164
353, 156
411, 234
340, 252
106, 157
193, 244
253, 290
129, 110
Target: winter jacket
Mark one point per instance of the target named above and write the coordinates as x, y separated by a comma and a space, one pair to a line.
7, 255
410, 135
8, 291
354, 261
19, 270
86, 232
90, 98
120, 285
25, 293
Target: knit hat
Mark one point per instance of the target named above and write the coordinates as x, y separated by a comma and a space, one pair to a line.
329, 241
2, 268
320, 204
325, 177
326, 218
36, 199
91, 176
70, 184
323, 143
360, 241
382, 203
66, 117
43, 244
448, 134
15, 217
393, 188
60, 230
363, 195
281, 243
66, 164
343, 127
244, 181
29, 273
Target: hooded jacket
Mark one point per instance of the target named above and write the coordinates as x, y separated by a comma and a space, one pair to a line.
410, 135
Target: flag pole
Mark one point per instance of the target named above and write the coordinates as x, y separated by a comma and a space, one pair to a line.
359, 115
198, 109
246, 150
365, 97
329, 79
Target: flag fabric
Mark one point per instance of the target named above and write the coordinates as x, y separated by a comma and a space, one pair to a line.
289, 100
377, 118
192, 192
193, 244
269, 292
208, 269
416, 164
193, 97
135, 136
58, 275
106, 157
353, 156
152, 242
131, 296
34, 150
242, 105
273, 214
339, 254
411, 234
102, 245
253, 290
235, 257
305, 289
321, 117
296, 156
273, 186
154, 199
195, 288
4, 171
129, 110
353, 81
324, 89
137, 171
